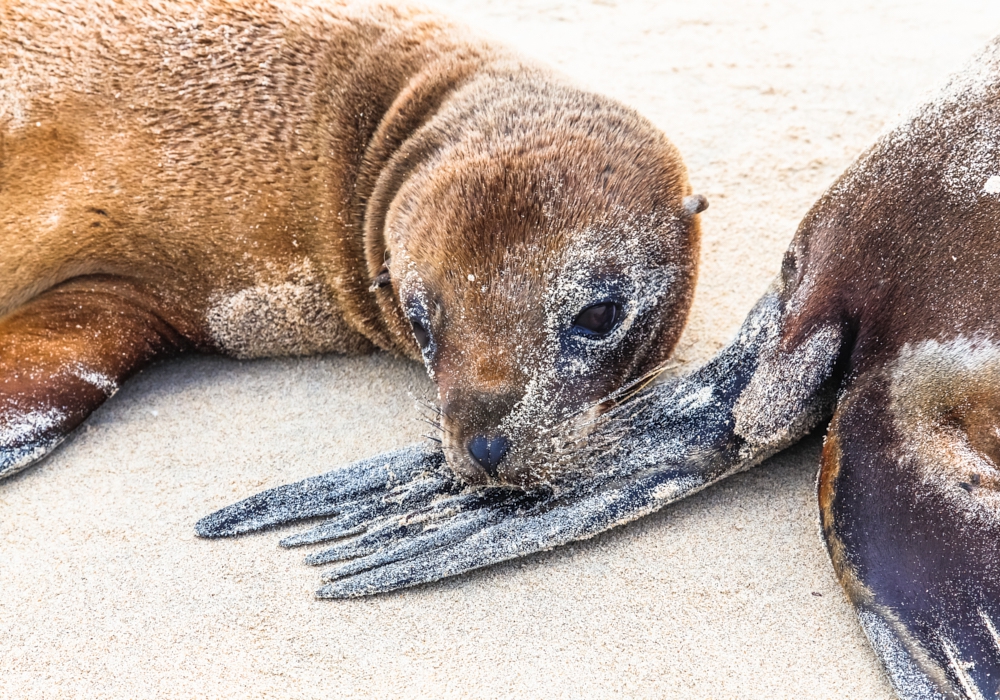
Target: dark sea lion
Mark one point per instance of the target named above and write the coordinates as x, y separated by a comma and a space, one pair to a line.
885, 319
284, 178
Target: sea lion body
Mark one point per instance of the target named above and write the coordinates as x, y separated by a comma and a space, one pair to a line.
274, 178
885, 320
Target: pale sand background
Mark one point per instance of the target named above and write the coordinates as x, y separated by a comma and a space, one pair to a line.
105, 592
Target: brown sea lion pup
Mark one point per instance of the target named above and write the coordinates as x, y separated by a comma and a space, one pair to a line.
269, 178
885, 318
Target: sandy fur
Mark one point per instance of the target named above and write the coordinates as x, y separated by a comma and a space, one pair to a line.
105, 597
247, 169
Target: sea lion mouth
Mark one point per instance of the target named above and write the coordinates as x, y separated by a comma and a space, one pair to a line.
535, 453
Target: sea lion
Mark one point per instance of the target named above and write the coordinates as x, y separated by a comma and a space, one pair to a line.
884, 320
284, 178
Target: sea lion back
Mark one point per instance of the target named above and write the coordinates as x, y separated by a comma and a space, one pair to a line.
212, 148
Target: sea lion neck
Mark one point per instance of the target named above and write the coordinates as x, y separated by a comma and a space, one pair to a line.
397, 149
401, 74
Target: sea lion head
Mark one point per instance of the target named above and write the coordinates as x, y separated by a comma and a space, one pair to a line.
541, 271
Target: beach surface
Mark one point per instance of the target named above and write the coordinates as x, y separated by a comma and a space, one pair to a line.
105, 592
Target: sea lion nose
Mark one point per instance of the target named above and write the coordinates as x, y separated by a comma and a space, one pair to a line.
489, 453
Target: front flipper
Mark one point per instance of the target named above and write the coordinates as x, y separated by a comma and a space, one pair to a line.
62, 355
911, 514
360, 494
409, 522
402, 519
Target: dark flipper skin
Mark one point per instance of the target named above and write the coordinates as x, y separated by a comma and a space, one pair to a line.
887, 316
401, 519
922, 567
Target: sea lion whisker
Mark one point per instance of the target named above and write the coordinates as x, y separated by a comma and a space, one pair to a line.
431, 422
616, 398
627, 392
423, 404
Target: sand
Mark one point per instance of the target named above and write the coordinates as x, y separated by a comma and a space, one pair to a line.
106, 593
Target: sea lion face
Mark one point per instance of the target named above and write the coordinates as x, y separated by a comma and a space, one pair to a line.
535, 292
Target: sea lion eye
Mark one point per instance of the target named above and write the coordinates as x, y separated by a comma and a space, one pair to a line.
599, 319
421, 333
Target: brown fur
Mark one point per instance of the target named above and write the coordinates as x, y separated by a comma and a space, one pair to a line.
884, 318
232, 177
900, 257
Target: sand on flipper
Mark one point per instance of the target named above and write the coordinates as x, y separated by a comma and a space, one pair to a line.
107, 593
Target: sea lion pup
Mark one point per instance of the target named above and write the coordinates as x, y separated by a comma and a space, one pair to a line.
885, 317
284, 178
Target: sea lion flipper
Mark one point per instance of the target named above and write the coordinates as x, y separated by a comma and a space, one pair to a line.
359, 495
909, 513
665, 442
505, 529
62, 355
401, 519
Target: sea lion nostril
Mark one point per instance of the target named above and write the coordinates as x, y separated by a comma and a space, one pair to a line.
499, 446
479, 448
488, 453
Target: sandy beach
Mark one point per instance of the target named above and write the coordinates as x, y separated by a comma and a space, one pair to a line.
107, 593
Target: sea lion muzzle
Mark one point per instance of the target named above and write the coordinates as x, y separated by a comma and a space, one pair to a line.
475, 441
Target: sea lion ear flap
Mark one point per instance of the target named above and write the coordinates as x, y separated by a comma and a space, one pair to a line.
694, 204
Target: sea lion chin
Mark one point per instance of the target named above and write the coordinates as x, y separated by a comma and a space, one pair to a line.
265, 179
